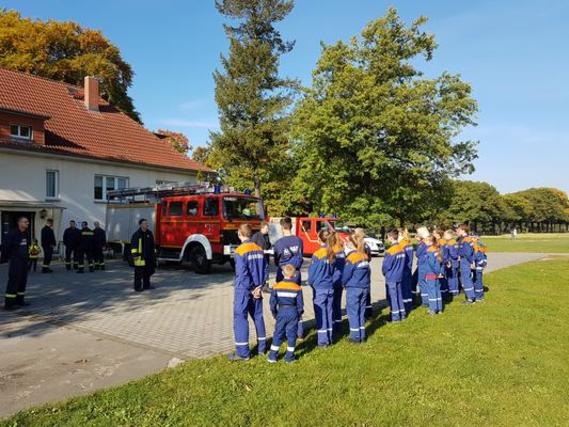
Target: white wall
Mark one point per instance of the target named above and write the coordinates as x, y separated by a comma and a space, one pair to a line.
23, 178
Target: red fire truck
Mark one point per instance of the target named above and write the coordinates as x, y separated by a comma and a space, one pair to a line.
193, 223
307, 228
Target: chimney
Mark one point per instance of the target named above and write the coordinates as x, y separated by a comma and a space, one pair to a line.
91, 89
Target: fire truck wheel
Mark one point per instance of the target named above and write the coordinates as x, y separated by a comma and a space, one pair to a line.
199, 260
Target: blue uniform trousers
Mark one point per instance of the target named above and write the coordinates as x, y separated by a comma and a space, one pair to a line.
245, 305
452, 279
434, 295
422, 284
323, 299
466, 280
286, 326
406, 290
479, 284
395, 297
355, 307
337, 307
298, 281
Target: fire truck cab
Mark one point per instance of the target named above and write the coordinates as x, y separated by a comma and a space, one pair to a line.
193, 223
307, 228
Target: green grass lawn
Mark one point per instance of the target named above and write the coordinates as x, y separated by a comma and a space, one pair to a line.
531, 242
504, 362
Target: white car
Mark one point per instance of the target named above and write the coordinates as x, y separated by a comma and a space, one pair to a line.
375, 246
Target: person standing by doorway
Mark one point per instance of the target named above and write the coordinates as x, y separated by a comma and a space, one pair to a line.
16, 250
142, 250
85, 249
48, 244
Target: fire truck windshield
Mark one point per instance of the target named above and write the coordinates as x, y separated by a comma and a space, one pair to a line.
242, 208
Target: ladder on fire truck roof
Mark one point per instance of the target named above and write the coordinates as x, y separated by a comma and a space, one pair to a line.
163, 190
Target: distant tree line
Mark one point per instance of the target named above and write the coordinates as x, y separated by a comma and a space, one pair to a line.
489, 212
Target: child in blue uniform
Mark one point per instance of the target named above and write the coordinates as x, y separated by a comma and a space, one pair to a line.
287, 306
450, 260
421, 254
433, 272
321, 278
338, 247
356, 280
288, 250
466, 263
440, 242
249, 281
480, 262
406, 284
394, 263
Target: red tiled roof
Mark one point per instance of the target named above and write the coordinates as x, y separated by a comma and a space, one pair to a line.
71, 129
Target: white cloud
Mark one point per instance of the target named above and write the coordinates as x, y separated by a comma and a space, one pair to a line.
193, 104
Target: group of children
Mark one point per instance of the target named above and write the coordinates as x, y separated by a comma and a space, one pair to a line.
444, 263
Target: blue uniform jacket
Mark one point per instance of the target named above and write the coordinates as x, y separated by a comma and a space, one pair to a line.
249, 266
432, 267
408, 249
480, 257
339, 265
466, 249
16, 246
450, 252
394, 264
421, 254
288, 250
321, 272
286, 293
356, 271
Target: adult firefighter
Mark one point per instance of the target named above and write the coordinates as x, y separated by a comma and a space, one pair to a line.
16, 249
142, 251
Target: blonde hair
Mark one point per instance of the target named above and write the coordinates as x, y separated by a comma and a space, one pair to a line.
325, 237
358, 240
423, 232
449, 234
288, 271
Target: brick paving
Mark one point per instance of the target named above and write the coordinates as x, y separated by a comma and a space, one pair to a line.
187, 316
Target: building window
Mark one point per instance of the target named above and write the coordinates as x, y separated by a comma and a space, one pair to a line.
52, 184
104, 184
21, 132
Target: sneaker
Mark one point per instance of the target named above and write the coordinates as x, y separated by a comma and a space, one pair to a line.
468, 302
431, 313
270, 360
234, 357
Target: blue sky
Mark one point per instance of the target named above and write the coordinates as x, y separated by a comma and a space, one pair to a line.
515, 54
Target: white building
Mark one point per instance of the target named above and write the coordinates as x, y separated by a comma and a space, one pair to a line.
62, 148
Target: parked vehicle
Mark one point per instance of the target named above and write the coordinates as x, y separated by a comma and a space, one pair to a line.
307, 228
196, 223
376, 246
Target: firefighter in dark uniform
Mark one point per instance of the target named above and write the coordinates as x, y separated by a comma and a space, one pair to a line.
48, 245
71, 237
142, 250
16, 250
85, 248
99, 242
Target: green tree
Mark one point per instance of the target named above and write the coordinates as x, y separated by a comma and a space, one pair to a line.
376, 139
476, 202
67, 52
251, 148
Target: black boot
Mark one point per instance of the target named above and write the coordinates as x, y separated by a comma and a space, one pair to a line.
10, 304
21, 301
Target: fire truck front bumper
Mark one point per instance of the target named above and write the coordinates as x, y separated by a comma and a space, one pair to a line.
229, 250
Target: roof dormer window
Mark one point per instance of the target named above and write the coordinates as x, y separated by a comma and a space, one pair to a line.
21, 132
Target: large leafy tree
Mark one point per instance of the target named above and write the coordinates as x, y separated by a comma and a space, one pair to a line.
376, 140
251, 147
67, 52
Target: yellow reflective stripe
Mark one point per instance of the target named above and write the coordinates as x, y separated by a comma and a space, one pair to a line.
21, 293
11, 296
134, 251
140, 245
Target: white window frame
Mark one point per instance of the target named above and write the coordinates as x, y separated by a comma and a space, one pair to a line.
56, 184
104, 183
30, 137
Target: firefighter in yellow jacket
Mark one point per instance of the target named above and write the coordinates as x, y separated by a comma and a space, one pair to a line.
142, 251
34, 253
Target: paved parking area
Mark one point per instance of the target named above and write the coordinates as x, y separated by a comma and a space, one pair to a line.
85, 332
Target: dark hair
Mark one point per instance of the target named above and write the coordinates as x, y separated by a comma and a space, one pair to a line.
49, 220
464, 227
21, 218
72, 221
84, 224
286, 223
246, 230
141, 220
